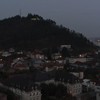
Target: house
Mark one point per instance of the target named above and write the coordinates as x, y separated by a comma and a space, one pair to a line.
37, 63
89, 84
61, 60
74, 89
51, 65
19, 64
79, 64
6, 54
37, 55
80, 74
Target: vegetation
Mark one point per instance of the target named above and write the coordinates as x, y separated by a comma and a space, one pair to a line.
52, 90
10, 95
35, 32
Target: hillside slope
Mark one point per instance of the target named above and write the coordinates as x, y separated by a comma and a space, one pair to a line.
35, 32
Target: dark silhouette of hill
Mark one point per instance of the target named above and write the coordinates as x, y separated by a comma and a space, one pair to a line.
35, 32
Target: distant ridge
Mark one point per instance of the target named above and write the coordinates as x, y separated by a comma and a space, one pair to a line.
35, 32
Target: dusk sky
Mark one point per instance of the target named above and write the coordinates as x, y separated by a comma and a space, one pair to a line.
80, 15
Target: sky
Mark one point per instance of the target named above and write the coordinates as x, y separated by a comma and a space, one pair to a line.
80, 15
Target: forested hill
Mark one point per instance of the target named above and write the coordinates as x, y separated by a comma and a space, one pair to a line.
35, 32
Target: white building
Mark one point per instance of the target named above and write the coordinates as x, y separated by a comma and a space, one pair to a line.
26, 94
74, 89
73, 84
34, 94
89, 84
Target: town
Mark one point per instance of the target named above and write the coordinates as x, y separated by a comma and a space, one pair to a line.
49, 50
49, 74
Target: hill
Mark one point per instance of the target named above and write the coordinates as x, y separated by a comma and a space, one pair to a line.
35, 32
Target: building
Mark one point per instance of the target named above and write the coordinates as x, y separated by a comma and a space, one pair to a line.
73, 83
19, 64
80, 74
23, 87
79, 59
74, 89
27, 94
74, 86
89, 84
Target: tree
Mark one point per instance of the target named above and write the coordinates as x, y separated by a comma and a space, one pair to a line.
52, 89
65, 52
44, 90
61, 91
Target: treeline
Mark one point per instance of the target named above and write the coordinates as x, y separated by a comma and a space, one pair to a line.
33, 31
